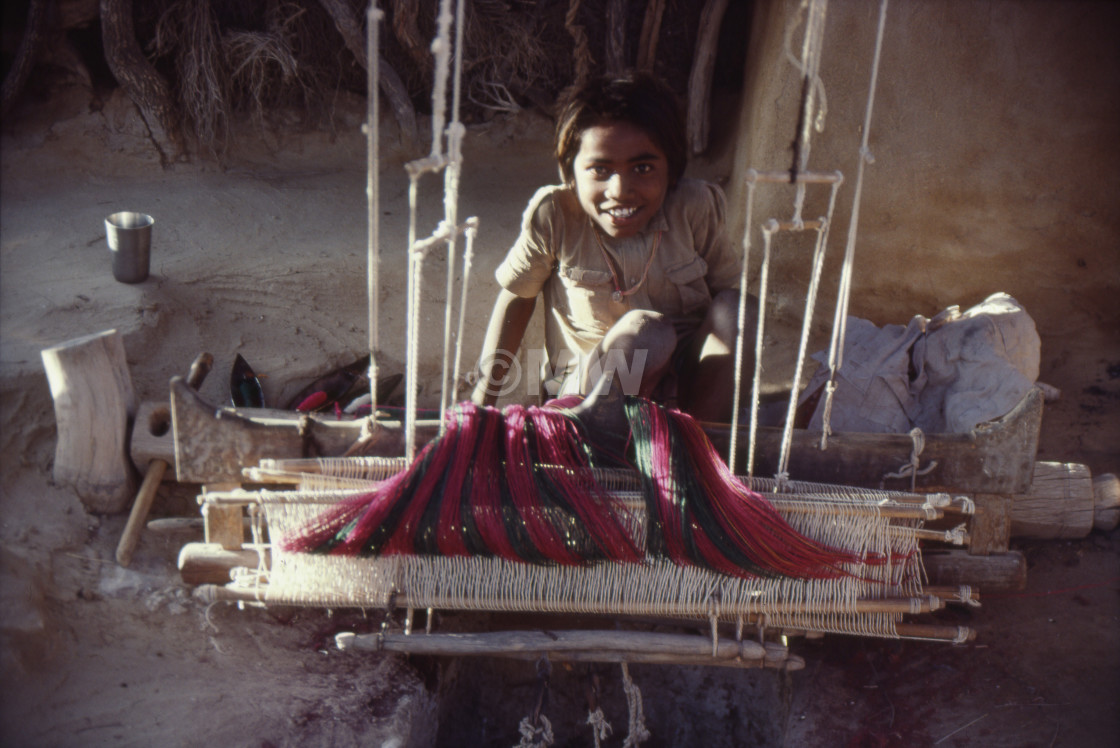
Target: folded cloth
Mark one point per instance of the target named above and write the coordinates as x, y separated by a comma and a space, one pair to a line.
976, 367
945, 375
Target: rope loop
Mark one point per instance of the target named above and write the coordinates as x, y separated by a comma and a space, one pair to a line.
535, 736
637, 728
600, 727
911, 469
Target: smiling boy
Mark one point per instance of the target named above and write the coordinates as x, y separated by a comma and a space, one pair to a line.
632, 262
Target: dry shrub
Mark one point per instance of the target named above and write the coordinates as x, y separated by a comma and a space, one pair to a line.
231, 59
517, 52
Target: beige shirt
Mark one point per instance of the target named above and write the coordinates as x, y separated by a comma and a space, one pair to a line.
557, 254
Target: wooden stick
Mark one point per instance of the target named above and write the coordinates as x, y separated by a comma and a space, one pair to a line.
935, 631
156, 468
580, 646
893, 605
808, 177
998, 572
184, 524
210, 564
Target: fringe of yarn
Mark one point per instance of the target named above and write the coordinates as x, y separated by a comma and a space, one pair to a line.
516, 485
494, 484
700, 513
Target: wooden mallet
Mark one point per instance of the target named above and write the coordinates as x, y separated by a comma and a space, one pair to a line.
154, 476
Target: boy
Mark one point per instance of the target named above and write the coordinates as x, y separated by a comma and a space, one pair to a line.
638, 277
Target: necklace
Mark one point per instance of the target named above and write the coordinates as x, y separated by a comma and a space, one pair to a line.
619, 294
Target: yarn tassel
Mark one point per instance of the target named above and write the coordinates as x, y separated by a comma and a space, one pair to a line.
700, 513
481, 489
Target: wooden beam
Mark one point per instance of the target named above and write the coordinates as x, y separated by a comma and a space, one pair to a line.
1003, 572
581, 646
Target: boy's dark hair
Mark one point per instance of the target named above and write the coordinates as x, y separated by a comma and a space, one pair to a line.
639, 99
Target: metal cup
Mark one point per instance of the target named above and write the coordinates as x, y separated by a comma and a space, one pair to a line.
130, 240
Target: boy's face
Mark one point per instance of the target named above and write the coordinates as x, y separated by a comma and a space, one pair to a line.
621, 177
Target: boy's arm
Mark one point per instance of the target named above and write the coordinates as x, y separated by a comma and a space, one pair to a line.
508, 322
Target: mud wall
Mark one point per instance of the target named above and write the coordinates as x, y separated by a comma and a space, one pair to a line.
996, 145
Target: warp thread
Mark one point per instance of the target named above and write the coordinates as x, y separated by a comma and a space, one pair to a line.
517, 484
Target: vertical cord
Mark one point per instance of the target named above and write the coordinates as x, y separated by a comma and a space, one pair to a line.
763, 290
810, 67
441, 50
412, 346
468, 255
810, 303
451, 176
738, 375
373, 197
840, 321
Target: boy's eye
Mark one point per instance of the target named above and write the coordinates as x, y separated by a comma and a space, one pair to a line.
643, 168
601, 172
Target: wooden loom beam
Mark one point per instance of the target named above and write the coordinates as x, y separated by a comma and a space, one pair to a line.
582, 646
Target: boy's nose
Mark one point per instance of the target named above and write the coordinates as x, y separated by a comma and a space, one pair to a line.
616, 186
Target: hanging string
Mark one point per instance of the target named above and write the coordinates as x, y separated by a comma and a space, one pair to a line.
806, 327
732, 451
451, 163
638, 733
840, 321
810, 69
451, 174
373, 199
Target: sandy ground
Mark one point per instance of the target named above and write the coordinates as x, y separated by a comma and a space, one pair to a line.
266, 257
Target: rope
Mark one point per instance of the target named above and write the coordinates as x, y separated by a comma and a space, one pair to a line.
911, 469
809, 65
637, 725
843, 298
373, 200
600, 727
536, 730
732, 451
535, 736
806, 326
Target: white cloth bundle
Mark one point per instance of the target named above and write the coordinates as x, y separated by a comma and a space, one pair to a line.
945, 375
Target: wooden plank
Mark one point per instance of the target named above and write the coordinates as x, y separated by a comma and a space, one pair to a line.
93, 403
581, 646
989, 529
1003, 572
151, 435
996, 458
224, 524
213, 444
210, 563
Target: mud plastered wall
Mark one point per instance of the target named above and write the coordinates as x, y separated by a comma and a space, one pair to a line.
996, 139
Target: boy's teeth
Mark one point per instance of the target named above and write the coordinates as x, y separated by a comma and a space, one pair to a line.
622, 212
